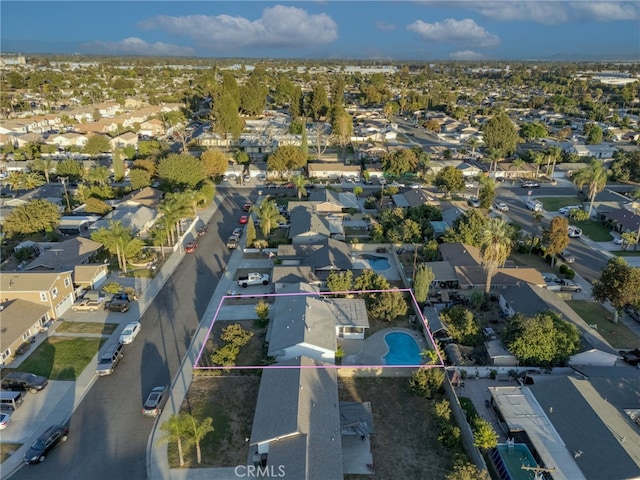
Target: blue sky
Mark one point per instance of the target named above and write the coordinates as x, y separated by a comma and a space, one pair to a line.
398, 30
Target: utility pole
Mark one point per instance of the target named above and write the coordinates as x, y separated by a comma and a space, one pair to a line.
63, 180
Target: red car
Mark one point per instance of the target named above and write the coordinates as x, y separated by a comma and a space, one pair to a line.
290, 185
191, 246
244, 219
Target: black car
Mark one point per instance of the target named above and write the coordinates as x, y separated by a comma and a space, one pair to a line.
530, 185
155, 401
117, 305
24, 348
45, 443
22, 381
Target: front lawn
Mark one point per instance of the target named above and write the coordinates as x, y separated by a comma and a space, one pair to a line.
87, 327
553, 204
594, 230
617, 334
626, 253
61, 358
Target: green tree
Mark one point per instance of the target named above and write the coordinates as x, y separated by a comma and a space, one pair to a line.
424, 276
484, 436
556, 237
176, 428
286, 159
450, 179
318, 102
227, 117
464, 328
44, 166
468, 471
595, 176
197, 430
533, 130
119, 241
253, 96
495, 247
214, 162
468, 228
340, 281
236, 335
487, 193
98, 175
594, 134
268, 215
251, 234
500, 136
619, 283
139, 178
400, 162
262, 310
545, 339
118, 164
342, 128
95, 205
425, 382
388, 306
31, 180
181, 170
97, 144
299, 182
32, 217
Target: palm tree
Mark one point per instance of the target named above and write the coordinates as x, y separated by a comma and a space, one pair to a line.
117, 239
176, 427
159, 237
268, 214
595, 176
472, 142
173, 208
536, 218
98, 174
538, 159
32, 180
299, 181
14, 180
554, 153
495, 247
197, 431
43, 165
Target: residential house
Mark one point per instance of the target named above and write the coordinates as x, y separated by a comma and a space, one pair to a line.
594, 358
498, 354
139, 218
19, 321
65, 255
509, 171
76, 224
296, 424
152, 128
308, 227
413, 198
128, 139
22, 140
329, 201
283, 276
66, 140
14, 126
623, 220
53, 290
324, 256
333, 171
601, 151
147, 197
468, 169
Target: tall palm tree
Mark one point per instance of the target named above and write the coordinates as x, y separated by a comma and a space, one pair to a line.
197, 431
159, 237
98, 174
176, 428
595, 176
554, 153
117, 239
472, 142
43, 165
14, 181
536, 220
268, 214
538, 159
495, 247
299, 181
173, 209
32, 180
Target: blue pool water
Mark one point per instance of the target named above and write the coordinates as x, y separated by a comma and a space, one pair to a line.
375, 262
403, 350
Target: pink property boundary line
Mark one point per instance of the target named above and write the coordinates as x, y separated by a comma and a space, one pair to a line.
318, 294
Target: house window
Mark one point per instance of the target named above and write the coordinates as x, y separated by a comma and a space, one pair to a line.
54, 292
66, 282
43, 296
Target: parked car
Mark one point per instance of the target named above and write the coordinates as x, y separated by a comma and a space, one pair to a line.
574, 232
23, 348
4, 420
501, 206
567, 210
191, 246
155, 401
290, 185
530, 184
244, 219
632, 357
633, 313
86, 305
117, 305
202, 231
23, 381
566, 257
569, 286
247, 206
473, 202
110, 357
130, 333
237, 232
45, 443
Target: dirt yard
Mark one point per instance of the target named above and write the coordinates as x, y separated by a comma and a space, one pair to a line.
405, 443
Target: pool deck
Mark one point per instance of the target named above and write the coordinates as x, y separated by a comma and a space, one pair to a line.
371, 350
392, 273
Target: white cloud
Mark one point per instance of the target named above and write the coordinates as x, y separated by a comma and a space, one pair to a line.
459, 32
137, 46
467, 55
549, 13
606, 11
381, 25
279, 27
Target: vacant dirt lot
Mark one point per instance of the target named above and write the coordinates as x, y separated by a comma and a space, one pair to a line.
405, 443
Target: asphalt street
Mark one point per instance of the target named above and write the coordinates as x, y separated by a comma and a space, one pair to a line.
108, 434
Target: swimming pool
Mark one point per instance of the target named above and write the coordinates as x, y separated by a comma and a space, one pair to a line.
376, 262
403, 350
510, 459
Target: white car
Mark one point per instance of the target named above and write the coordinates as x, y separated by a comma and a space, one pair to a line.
574, 232
502, 207
619, 241
4, 420
567, 210
130, 332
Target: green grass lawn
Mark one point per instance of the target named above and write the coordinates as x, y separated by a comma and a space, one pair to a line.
627, 253
87, 327
553, 204
61, 358
594, 230
617, 334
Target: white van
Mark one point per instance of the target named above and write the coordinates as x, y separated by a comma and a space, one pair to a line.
535, 205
